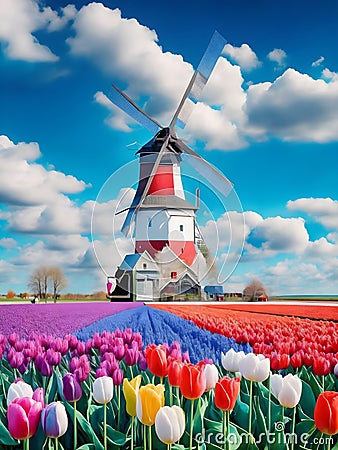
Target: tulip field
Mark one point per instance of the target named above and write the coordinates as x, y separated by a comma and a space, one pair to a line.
168, 376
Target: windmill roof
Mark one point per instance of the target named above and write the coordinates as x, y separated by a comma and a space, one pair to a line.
174, 144
130, 261
167, 201
214, 289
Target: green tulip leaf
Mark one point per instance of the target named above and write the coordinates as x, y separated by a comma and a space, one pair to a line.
241, 413
302, 414
96, 418
261, 424
307, 400
212, 425
305, 427
37, 441
52, 388
335, 447
201, 404
115, 436
313, 382
245, 441
84, 426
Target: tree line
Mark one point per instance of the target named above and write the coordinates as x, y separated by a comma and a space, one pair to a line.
45, 276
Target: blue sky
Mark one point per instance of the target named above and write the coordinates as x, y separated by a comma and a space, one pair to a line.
268, 120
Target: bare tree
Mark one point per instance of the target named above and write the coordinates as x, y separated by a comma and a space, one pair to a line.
253, 291
58, 281
38, 282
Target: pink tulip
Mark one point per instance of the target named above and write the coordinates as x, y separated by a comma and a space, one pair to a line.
39, 396
131, 356
23, 416
117, 377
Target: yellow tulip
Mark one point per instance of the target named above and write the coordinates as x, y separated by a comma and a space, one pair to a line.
150, 399
130, 390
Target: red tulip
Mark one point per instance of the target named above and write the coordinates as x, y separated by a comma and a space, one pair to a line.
23, 416
326, 412
284, 361
193, 382
321, 366
156, 356
174, 372
226, 393
296, 360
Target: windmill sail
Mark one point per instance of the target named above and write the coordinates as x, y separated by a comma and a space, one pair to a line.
199, 80
165, 139
121, 100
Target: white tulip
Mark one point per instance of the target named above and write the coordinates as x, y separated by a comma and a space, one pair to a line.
276, 382
103, 390
211, 375
254, 367
170, 424
231, 359
288, 390
18, 389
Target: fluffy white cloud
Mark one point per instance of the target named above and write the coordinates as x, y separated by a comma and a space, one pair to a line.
118, 119
279, 235
295, 107
291, 276
220, 128
232, 228
322, 248
20, 19
322, 210
24, 182
8, 243
243, 55
327, 74
318, 61
127, 50
277, 55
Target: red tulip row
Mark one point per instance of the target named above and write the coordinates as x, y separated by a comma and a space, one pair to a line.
313, 311
284, 340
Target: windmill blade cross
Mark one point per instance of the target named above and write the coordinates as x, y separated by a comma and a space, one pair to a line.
121, 99
198, 80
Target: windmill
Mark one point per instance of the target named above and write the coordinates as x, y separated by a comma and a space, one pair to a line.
160, 218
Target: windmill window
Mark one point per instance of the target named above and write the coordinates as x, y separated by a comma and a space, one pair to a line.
181, 227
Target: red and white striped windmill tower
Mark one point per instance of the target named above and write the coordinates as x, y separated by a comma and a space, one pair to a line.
160, 217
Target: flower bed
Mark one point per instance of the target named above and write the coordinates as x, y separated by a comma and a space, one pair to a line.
322, 312
161, 326
56, 319
110, 383
110, 393
295, 340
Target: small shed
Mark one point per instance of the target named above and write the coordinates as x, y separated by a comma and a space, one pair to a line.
214, 292
137, 279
